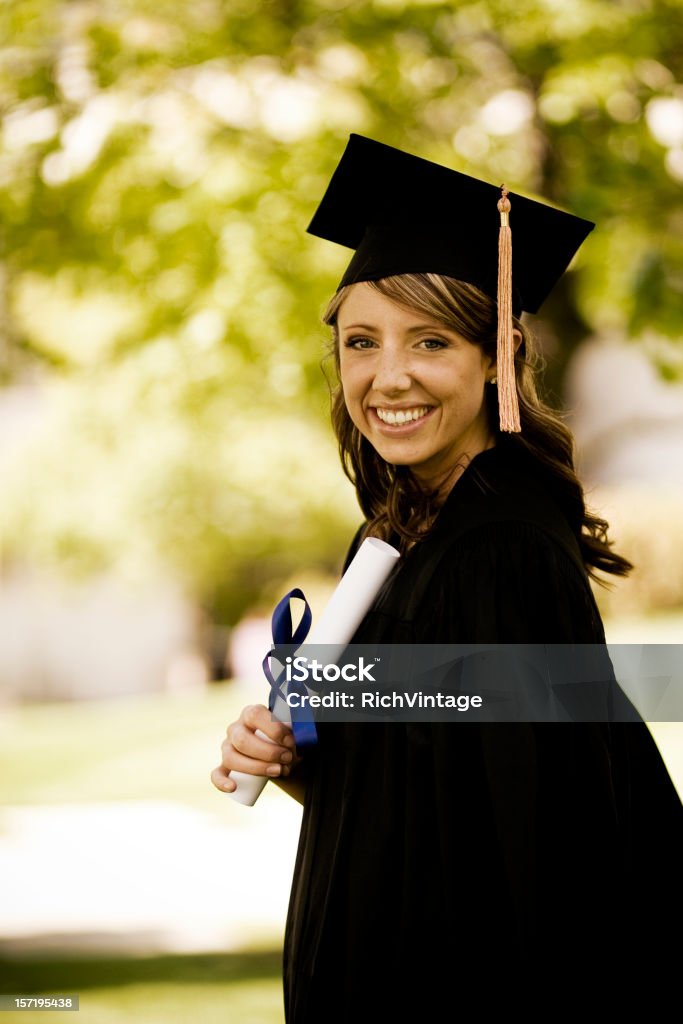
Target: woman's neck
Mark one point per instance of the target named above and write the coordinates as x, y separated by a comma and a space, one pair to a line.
443, 483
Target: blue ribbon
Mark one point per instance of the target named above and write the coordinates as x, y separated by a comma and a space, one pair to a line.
303, 725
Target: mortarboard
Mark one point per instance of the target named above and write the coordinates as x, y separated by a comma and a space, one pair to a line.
403, 214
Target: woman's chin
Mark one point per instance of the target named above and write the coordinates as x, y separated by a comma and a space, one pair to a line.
392, 453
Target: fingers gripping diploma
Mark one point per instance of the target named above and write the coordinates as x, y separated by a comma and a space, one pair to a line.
256, 745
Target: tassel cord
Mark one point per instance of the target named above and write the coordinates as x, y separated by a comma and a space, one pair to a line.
508, 403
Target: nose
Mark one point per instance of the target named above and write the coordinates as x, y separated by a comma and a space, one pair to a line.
393, 372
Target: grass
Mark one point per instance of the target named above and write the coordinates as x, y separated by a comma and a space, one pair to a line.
214, 989
151, 747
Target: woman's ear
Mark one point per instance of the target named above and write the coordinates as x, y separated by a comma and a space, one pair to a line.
517, 338
517, 341
491, 369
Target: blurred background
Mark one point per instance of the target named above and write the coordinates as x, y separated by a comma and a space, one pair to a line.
167, 468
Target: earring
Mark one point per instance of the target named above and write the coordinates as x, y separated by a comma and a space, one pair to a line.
494, 380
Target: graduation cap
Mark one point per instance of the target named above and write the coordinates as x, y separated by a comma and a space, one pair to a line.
406, 215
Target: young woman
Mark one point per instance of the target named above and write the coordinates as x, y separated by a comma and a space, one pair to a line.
440, 863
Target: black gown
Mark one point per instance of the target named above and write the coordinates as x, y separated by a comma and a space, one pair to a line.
491, 864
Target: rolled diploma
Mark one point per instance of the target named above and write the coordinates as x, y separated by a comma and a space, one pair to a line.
346, 609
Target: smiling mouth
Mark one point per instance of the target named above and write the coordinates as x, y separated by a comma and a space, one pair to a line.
400, 417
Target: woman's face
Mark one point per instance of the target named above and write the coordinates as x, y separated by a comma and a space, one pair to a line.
413, 388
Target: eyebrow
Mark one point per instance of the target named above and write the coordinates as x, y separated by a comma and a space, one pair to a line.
410, 330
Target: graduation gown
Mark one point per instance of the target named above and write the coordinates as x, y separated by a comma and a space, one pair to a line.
499, 864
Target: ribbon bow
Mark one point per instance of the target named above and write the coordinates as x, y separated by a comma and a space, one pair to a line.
303, 725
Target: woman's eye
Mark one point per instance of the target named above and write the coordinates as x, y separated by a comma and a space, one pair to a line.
359, 343
433, 343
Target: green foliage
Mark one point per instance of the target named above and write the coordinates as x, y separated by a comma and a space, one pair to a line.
160, 163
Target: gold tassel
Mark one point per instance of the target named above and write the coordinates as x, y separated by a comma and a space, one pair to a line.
508, 405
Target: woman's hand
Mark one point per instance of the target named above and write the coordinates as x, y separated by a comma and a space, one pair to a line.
243, 751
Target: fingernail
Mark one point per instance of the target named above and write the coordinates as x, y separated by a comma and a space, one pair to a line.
273, 769
229, 785
288, 741
285, 770
286, 757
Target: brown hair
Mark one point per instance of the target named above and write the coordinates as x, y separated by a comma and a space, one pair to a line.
391, 497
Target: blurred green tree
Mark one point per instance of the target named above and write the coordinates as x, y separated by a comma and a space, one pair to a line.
159, 165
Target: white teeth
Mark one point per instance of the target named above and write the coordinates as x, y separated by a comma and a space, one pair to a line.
402, 415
